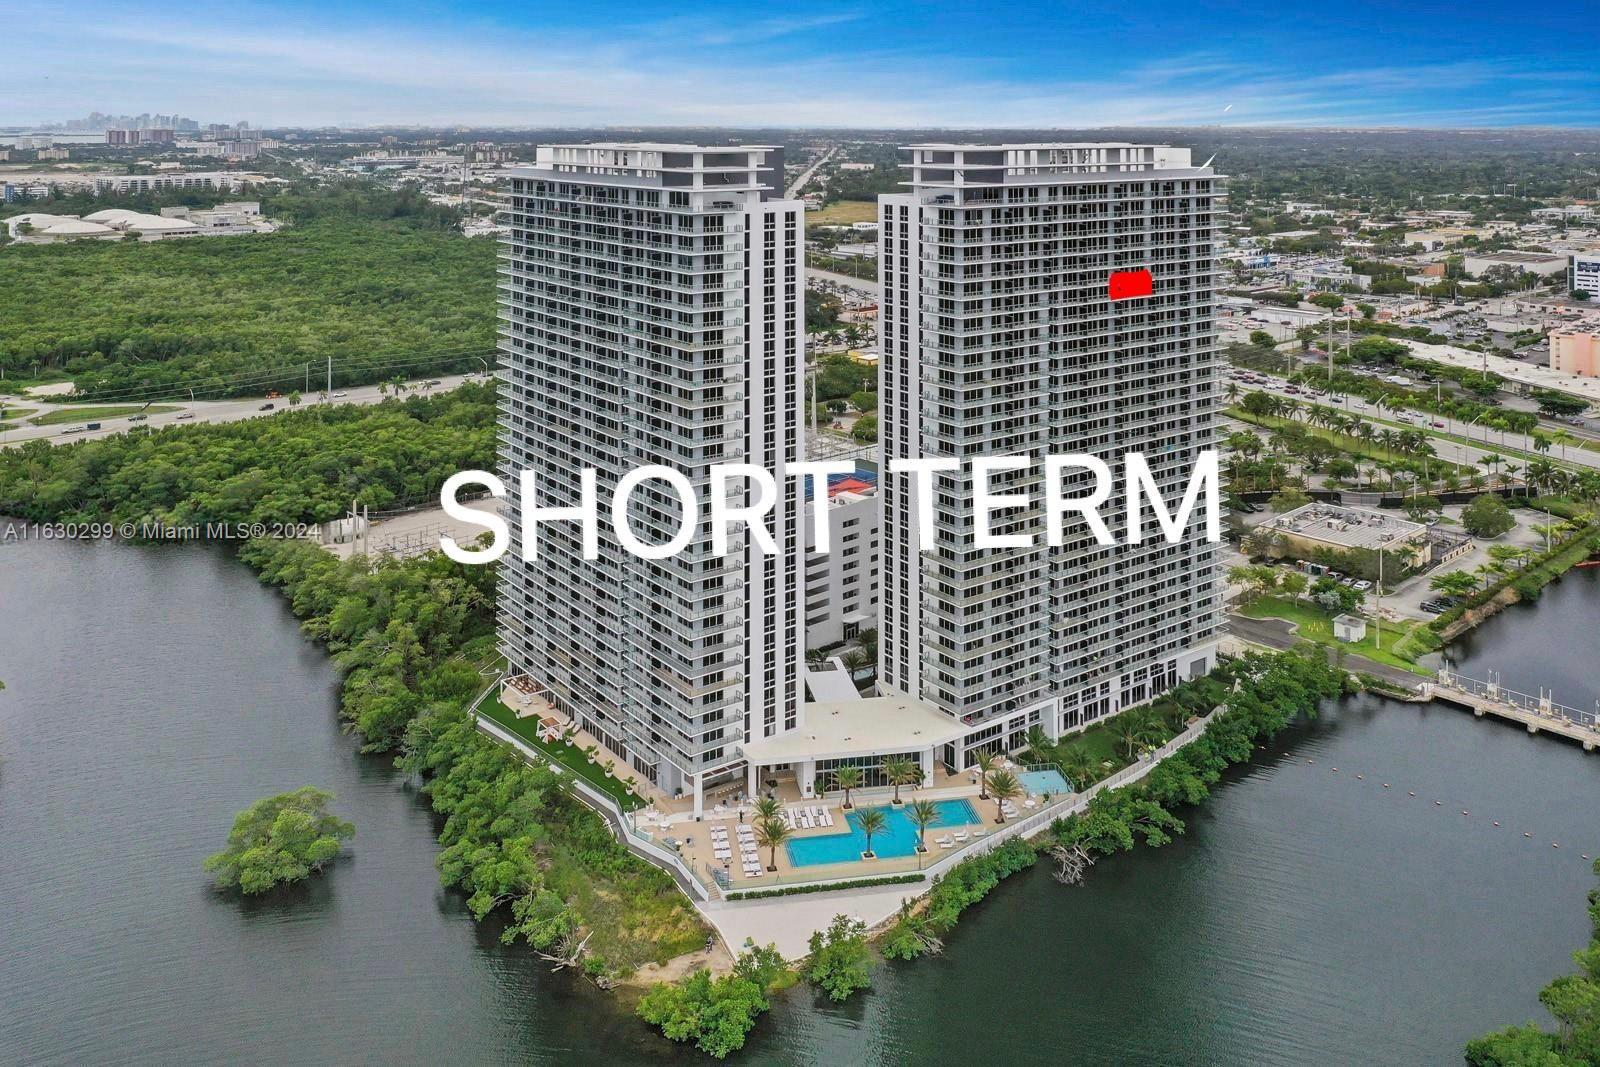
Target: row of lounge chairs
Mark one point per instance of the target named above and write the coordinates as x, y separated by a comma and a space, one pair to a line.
807, 818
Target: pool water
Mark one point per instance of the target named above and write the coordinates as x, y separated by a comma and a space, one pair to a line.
897, 838
1038, 783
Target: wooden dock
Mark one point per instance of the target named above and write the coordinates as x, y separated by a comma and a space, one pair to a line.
1539, 714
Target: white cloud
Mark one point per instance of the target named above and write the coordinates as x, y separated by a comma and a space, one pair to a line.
680, 71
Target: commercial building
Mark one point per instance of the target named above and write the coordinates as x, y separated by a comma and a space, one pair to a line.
123, 184
1575, 352
999, 339
1541, 263
1314, 528
1583, 274
842, 583
650, 307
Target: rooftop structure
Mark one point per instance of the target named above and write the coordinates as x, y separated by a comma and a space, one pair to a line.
1346, 528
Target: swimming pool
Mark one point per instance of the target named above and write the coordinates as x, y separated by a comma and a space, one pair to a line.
897, 838
1039, 783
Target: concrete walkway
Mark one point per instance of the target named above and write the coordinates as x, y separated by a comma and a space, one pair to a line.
788, 921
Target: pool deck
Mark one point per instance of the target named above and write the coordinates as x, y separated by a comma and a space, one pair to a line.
696, 847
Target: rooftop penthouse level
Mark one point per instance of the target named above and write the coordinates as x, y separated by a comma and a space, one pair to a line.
669, 166
957, 166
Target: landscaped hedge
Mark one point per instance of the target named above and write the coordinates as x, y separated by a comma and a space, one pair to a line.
825, 887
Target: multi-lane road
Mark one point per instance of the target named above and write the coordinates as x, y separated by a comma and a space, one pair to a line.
185, 412
1479, 440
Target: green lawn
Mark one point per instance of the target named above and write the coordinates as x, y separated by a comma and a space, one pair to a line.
115, 411
1316, 625
843, 213
569, 756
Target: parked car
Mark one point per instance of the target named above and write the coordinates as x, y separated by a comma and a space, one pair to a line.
1433, 607
266, 407
1362, 585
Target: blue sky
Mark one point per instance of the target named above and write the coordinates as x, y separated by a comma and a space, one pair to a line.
531, 63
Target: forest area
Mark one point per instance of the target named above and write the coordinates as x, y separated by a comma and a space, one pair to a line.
380, 282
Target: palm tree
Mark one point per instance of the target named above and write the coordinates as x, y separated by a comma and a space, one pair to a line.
770, 833
901, 771
846, 779
986, 762
767, 808
923, 814
1003, 786
1129, 731
1080, 769
1038, 742
870, 821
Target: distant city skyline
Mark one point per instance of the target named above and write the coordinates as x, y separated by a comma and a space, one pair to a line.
894, 64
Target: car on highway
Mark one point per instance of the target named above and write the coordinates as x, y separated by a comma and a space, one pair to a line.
1437, 424
186, 415
266, 407
73, 429
336, 396
137, 418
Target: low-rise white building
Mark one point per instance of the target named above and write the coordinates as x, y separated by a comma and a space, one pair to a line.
842, 585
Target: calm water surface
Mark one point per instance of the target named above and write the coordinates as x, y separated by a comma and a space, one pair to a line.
1308, 916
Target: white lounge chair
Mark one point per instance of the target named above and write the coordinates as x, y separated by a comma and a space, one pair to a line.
961, 835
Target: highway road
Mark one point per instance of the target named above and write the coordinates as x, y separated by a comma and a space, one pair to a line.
1482, 439
197, 411
805, 176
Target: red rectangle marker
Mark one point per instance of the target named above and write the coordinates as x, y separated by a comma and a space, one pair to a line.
1127, 284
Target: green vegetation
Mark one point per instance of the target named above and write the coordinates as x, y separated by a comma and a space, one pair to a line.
297, 466
90, 414
840, 961
1315, 624
922, 926
240, 315
844, 213
1574, 1001
568, 755
279, 840
410, 636
1270, 691
824, 887
717, 1013
1487, 516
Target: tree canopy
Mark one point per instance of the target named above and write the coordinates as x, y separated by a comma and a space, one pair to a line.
376, 280
279, 840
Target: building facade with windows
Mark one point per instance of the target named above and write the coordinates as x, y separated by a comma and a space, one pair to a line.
651, 313
999, 339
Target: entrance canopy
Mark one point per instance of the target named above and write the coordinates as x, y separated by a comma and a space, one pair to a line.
840, 729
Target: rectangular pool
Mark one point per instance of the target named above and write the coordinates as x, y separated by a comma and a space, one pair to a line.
1038, 783
897, 838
